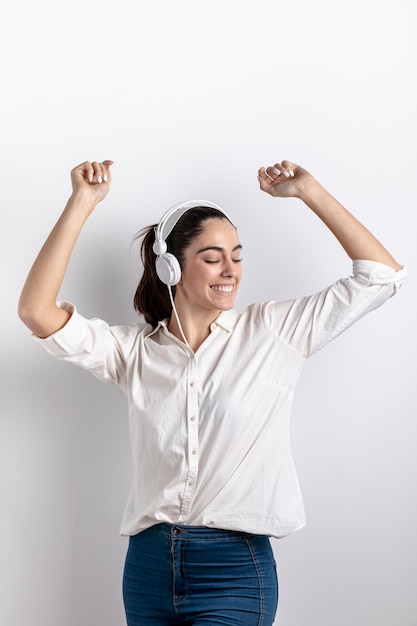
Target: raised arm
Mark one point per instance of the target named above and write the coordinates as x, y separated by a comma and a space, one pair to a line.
287, 179
37, 305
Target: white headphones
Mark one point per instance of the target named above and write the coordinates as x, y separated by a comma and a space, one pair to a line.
167, 266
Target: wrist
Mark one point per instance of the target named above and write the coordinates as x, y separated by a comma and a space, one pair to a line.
312, 193
81, 202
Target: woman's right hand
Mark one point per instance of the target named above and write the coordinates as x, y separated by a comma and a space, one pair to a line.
92, 180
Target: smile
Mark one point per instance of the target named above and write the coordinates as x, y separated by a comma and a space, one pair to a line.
223, 288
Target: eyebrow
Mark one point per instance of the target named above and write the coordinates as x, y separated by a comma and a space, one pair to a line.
218, 249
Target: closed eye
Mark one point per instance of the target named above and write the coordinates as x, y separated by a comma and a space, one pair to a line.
219, 260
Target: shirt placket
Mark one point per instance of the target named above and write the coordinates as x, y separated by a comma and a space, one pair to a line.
193, 451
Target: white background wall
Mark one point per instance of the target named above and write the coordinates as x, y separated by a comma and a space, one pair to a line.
189, 99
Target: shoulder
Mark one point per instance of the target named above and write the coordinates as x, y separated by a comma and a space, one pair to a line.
261, 313
82, 330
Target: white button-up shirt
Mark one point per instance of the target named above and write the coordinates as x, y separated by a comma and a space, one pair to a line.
210, 430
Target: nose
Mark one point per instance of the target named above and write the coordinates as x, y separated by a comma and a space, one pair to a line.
229, 269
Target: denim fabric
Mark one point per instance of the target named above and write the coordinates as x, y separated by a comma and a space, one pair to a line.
194, 575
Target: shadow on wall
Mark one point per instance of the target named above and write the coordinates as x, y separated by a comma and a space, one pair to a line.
61, 527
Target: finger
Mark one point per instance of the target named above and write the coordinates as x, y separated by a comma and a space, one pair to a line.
106, 170
283, 171
87, 170
262, 174
265, 180
277, 173
97, 175
289, 167
273, 172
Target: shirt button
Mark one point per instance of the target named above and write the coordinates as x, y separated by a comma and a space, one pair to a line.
192, 418
191, 483
194, 451
191, 384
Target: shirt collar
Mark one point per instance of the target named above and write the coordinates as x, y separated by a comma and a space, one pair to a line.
161, 324
226, 320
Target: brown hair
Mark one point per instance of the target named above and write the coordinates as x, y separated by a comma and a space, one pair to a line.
152, 297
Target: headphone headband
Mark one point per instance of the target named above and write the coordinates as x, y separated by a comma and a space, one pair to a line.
172, 216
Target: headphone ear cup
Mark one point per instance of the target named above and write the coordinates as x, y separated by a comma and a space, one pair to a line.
168, 269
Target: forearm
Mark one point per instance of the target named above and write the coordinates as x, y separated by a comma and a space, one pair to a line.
37, 304
286, 179
356, 240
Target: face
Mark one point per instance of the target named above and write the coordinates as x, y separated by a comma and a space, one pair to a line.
212, 268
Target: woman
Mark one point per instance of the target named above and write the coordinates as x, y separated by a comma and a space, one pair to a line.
209, 393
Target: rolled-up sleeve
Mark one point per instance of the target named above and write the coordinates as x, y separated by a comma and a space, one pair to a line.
89, 343
373, 273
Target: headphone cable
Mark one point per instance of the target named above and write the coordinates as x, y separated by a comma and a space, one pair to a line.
177, 316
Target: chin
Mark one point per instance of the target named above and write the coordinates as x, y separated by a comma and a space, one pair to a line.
227, 306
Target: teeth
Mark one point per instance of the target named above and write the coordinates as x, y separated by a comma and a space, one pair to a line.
225, 288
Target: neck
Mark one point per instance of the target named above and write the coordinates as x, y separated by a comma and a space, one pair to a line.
196, 327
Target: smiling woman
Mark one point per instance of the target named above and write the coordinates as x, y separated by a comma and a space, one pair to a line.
209, 393
205, 245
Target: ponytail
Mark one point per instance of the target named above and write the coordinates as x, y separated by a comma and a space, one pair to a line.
151, 298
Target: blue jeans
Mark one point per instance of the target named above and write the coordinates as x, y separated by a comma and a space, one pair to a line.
203, 576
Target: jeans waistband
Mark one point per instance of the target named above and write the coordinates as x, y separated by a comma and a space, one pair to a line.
197, 532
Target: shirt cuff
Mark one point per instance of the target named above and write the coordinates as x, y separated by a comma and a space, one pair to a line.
374, 273
66, 336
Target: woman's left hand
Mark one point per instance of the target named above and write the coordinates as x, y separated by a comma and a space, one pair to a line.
284, 180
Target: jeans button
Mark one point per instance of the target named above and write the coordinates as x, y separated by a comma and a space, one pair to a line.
175, 531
